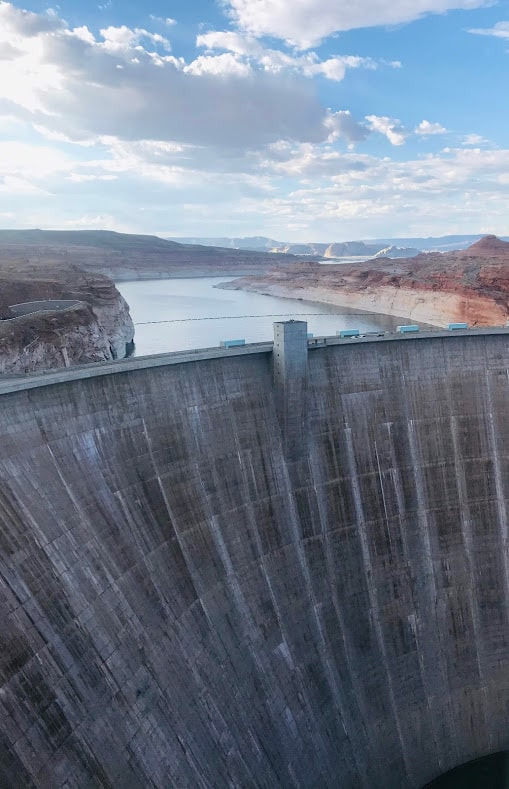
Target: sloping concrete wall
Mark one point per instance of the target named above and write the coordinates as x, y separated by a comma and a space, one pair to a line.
185, 605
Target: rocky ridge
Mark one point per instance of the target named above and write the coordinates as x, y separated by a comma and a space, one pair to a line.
96, 326
467, 285
125, 256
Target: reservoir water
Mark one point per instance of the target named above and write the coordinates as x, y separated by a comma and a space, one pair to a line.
181, 314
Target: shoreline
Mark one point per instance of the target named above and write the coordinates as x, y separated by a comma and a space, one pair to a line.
427, 307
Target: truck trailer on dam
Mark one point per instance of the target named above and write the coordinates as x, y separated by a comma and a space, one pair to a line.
281, 565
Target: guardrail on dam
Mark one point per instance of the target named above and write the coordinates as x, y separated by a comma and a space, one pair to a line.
257, 571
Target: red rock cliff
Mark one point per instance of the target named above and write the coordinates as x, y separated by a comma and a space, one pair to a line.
469, 285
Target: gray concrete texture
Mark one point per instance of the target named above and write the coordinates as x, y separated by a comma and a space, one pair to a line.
187, 601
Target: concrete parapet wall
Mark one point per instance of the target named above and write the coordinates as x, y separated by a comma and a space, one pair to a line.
184, 607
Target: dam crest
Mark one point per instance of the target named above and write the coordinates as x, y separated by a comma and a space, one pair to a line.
276, 565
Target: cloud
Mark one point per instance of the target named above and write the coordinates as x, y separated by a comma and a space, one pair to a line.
26, 169
219, 65
500, 30
276, 61
235, 138
233, 42
26, 23
426, 128
118, 39
313, 188
8, 52
474, 139
448, 192
168, 21
390, 127
84, 87
307, 22
343, 125
81, 178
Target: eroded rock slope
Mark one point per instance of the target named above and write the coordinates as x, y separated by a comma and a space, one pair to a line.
468, 285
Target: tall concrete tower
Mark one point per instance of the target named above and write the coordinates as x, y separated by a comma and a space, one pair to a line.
290, 382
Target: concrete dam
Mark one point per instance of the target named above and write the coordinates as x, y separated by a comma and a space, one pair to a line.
275, 566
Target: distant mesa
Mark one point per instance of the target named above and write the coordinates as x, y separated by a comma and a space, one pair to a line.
436, 288
488, 246
397, 252
393, 247
320, 249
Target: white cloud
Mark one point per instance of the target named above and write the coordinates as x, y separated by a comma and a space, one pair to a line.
168, 21
219, 65
81, 178
83, 88
335, 68
500, 30
390, 127
23, 73
307, 22
453, 191
84, 34
276, 61
235, 137
118, 39
426, 128
474, 139
23, 160
11, 185
233, 42
26, 23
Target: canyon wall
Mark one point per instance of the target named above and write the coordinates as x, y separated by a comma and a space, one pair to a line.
438, 309
191, 599
38, 331
469, 285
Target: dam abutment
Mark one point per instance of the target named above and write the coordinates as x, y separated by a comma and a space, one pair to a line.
206, 584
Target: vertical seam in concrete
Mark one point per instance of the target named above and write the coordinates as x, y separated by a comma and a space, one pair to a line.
372, 593
283, 629
322, 644
499, 487
466, 531
398, 486
431, 588
331, 572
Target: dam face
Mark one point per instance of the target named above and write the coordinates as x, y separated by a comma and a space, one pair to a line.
191, 598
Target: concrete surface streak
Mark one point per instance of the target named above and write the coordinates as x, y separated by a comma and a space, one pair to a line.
185, 606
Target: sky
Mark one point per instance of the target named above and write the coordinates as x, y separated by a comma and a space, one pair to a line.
301, 120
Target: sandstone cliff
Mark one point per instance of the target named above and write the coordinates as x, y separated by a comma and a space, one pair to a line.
95, 327
469, 285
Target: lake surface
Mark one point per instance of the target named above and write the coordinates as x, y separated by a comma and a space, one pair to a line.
181, 314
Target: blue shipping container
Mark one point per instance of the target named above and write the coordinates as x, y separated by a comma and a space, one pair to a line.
231, 343
409, 328
453, 326
348, 333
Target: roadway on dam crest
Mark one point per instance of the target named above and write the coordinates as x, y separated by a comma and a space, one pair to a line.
96, 369
199, 592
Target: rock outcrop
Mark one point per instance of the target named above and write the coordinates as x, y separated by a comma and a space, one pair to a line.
469, 285
96, 326
397, 252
